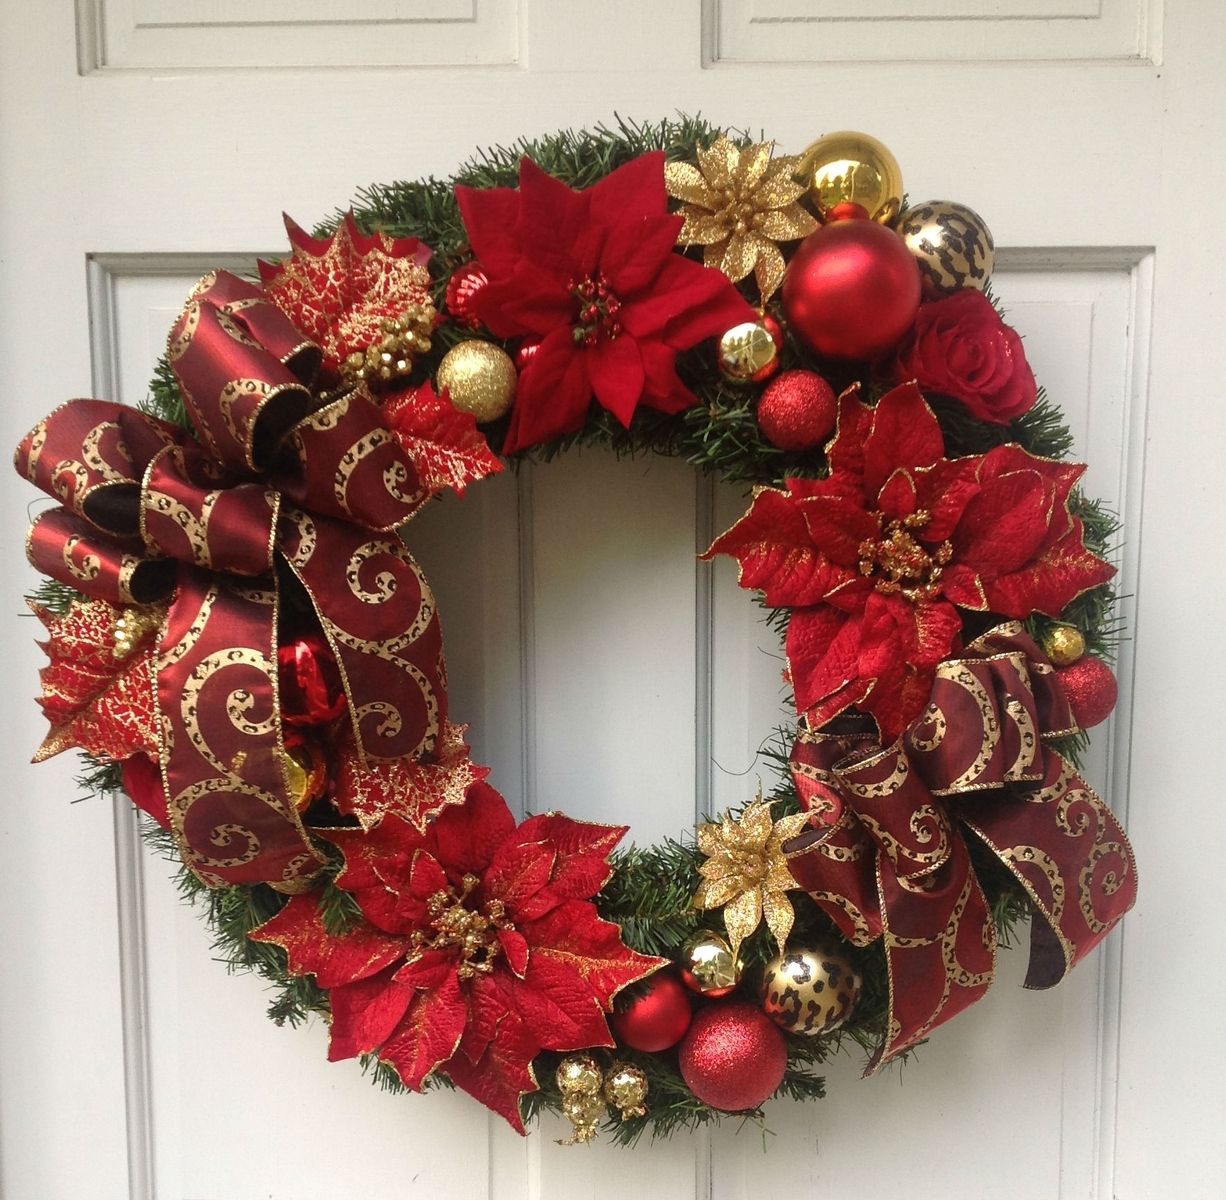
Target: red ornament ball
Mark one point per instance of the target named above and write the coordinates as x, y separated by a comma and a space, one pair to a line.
797, 411
733, 1057
1091, 689
852, 290
658, 1018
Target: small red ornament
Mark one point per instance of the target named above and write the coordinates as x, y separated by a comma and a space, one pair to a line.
465, 282
1091, 689
733, 1057
797, 411
852, 290
658, 1018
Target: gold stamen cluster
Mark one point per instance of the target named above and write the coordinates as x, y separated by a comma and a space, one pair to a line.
473, 932
909, 569
405, 339
738, 204
745, 872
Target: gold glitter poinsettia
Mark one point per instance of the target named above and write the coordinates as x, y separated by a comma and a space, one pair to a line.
745, 872
738, 205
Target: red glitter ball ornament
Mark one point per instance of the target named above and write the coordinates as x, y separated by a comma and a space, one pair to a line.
1091, 689
733, 1057
658, 1018
852, 290
466, 281
797, 411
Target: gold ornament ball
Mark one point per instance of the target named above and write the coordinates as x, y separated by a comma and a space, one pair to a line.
579, 1075
625, 1088
810, 991
306, 774
1064, 645
479, 378
850, 167
749, 352
708, 965
952, 245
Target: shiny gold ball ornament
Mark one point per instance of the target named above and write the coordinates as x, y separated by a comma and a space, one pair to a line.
952, 245
810, 991
852, 168
479, 378
625, 1088
1064, 645
584, 1110
579, 1074
708, 965
749, 352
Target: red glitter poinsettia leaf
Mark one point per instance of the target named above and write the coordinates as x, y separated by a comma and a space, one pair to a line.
1005, 525
573, 939
515, 947
582, 849
837, 527
365, 1013
443, 443
466, 838
93, 700
377, 870
944, 490
904, 433
502, 1074
415, 791
427, 969
1052, 581
428, 1035
556, 1006
845, 451
823, 654
776, 554
337, 290
334, 959
519, 871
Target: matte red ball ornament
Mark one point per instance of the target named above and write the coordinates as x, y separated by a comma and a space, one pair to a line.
1091, 689
797, 411
733, 1057
658, 1018
852, 290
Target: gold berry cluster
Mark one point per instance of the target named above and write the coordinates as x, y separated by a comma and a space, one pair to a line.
405, 339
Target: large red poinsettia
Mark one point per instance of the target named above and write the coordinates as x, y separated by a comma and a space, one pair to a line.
478, 946
876, 559
594, 275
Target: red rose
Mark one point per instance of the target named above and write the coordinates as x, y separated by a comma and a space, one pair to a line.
959, 347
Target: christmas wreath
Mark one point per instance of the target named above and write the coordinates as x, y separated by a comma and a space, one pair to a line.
239, 638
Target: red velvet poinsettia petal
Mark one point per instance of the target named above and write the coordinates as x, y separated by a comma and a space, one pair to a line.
1005, 524
615, 369
377, 870
904, 433
1052, 581
555, 221
686, 303
823, 653
837, 527
633, 192
502, 1074
428, 1035
553, 395
635, 254
365, 1013
776, 554
557, 1007
467, 837
574, 938
333, 959
517, 874
515, 950
443, 443
487, 1009
427, 969
490, 216
899, 496
582, 849
944, 490
663, 388
845, 450
527, 301
426, 877
961, 585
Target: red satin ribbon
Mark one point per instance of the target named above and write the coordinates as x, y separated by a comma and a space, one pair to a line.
888, 857
149, 512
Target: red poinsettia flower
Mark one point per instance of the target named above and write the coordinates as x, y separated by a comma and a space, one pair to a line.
479, 946
594, 275
876, 559
338, 290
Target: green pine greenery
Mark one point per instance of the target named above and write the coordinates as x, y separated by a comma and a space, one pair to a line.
649, 894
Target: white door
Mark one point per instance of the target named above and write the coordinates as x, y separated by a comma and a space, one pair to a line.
142, 141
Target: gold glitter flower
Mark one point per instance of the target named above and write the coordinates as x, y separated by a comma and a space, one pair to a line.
745, 872
738, 205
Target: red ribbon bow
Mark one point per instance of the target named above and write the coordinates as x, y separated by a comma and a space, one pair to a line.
275, 481
889, 858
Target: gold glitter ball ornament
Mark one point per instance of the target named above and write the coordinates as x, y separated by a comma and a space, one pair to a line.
952, 245
578, 1074
479, 378
306, 774
625, 1088
851, 167
1064, 645
749, 352
810, 991
584, 1110
708, 965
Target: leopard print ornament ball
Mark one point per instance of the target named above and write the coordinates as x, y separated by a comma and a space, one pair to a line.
810, 991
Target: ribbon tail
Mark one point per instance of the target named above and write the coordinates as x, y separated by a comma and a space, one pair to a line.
379, 616
222, 756
1065, 847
